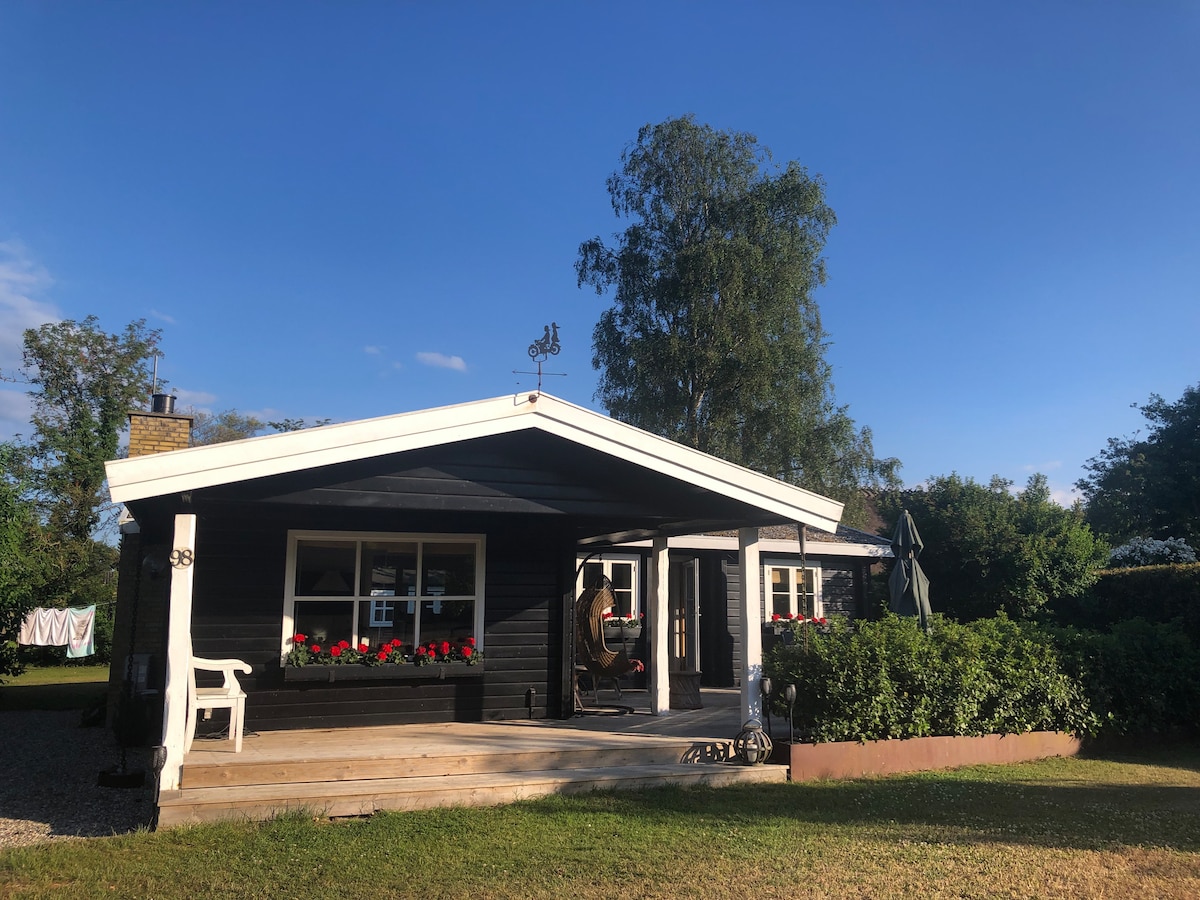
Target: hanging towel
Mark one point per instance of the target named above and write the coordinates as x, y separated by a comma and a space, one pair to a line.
81, 632
45, 628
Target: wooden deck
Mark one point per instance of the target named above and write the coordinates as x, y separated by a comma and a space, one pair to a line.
358, 771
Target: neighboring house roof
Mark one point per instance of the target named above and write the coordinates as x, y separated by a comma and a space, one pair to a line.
276, 456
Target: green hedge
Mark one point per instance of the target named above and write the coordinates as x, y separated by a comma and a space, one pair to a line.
1154, 593
1140, 677
888, 679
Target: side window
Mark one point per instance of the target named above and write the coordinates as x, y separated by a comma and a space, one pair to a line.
622, 575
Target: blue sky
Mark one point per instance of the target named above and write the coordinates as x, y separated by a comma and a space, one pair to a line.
349, 210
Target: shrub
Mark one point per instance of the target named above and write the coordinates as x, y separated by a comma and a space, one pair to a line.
888, 679
1150, 552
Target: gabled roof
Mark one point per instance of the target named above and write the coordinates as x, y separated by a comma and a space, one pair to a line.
196, 468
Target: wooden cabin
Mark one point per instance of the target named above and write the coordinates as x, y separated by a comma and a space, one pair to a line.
465, 521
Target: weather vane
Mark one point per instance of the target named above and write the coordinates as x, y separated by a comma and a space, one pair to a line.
541, 350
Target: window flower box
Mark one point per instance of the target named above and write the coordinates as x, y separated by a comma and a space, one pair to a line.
386, 672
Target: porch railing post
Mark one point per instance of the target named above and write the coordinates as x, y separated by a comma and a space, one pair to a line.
751, 622
179, 650
659, 624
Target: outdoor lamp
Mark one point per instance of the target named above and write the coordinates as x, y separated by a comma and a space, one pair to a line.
752, 744
789, 694
765, 687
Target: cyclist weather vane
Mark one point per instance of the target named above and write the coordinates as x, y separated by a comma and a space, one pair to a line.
541, 350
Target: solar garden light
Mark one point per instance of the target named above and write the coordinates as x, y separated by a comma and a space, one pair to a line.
789, 694
752, 744
765, 687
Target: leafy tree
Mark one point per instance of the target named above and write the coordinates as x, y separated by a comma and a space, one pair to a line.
1150, 486
217, 428
988, 550
231, 425
83, 384
19, 561
714, 338
297, 424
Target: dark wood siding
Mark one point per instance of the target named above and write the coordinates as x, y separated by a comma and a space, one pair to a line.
838, 589
238, 611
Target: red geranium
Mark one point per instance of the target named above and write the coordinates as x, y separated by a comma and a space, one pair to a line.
470, 642
315, 648
466, 652
421, 651
775, 617
445, 648
299, 638
335, 650
345, 645
362, 648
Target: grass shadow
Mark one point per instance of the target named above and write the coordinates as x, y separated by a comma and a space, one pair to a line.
73, 695
1061, 804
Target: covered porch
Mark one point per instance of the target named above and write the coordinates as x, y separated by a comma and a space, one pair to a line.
618, 744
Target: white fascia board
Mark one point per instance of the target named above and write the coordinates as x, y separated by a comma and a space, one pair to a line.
669, 458
770, 546
275, 454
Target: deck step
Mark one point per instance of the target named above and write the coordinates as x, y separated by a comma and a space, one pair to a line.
305, 769
369, 795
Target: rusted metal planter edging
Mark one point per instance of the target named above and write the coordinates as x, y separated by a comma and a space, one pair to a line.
432, 672
811, 762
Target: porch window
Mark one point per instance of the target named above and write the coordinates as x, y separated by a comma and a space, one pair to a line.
791, 591
373, 588
622, 572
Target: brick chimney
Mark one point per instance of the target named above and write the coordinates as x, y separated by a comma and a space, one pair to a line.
159, 430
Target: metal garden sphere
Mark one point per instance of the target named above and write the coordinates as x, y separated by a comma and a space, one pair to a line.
752, 745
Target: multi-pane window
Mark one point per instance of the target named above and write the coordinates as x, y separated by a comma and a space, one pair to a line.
791, 591
622, 574
375, 588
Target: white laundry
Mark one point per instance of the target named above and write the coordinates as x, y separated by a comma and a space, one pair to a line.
45, 628
81, 632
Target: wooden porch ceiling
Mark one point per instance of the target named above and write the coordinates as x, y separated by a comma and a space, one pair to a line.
600, 497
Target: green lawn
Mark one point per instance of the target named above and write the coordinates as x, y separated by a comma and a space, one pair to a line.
54, 687
1120, 826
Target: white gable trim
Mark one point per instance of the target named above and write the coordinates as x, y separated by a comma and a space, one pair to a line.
276, 454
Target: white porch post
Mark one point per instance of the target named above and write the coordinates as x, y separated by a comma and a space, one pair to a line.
179, 650
659, 622
751, 622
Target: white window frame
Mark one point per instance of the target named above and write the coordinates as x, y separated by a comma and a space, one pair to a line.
792, 566
607, 559
358, 538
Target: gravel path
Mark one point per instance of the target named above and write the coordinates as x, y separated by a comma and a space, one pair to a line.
48, 781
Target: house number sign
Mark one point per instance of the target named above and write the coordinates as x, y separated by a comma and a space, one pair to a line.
181, 559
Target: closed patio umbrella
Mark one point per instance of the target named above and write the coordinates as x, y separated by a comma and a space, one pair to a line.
908, 586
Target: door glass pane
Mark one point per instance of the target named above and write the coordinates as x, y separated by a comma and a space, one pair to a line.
325, 569
389, 569
449, 570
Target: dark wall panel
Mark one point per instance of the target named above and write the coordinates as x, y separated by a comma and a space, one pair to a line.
238, 611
